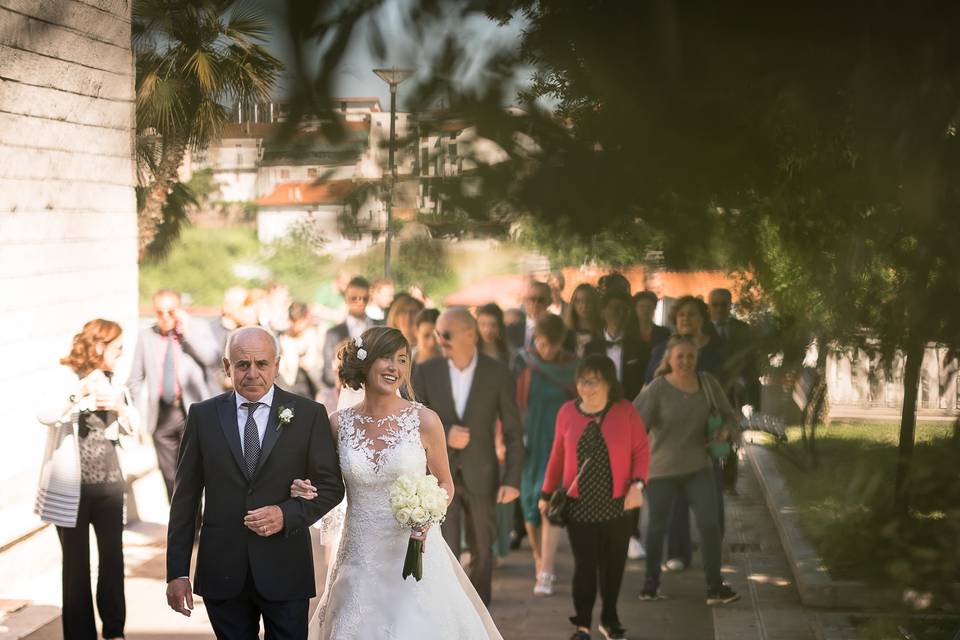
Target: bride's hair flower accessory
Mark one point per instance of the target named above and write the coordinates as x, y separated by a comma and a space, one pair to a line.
361, 352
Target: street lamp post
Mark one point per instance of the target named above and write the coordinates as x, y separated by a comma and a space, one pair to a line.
392, 77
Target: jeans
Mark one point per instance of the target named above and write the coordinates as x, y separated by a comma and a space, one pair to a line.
700, 491
678, 536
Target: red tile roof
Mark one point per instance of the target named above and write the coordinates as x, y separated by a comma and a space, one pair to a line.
307, 193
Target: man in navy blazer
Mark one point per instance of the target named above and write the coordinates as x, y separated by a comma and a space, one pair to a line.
242, 450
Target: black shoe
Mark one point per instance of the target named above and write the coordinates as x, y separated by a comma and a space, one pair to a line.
613, 633
580, 634
515, 540
723, 595
651, 592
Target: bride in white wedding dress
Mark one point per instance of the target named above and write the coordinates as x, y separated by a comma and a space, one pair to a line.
378, 440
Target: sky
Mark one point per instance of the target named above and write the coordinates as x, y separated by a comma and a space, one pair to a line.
355, 76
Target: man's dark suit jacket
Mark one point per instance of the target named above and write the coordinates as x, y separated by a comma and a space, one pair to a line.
740, 369
516, 333
211, 463
492, 396
632, 366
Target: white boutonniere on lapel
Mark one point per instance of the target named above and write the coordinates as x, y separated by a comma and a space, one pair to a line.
284, 416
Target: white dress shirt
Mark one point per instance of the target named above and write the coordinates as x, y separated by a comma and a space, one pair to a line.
260, 416
460, 382
529, 329
356, 326
615, 353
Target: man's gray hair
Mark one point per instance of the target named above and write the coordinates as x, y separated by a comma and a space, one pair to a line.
233, 334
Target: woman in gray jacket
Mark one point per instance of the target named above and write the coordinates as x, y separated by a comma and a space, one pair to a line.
675, 408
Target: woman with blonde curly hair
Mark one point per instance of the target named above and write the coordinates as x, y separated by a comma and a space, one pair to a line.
82, 483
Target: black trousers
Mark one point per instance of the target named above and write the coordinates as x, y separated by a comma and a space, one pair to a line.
171, 421
239, 618
599, 558
105, 513
473, 516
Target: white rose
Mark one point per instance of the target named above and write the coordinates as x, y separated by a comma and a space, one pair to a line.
419, 515
403, 516
396, 502
286, 415
406, 484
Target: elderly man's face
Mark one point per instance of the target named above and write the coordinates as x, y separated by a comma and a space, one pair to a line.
456, 338
536, 301
252, 363
165, 309
719, 307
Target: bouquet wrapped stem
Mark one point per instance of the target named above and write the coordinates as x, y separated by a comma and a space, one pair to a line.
418, 502
413, 562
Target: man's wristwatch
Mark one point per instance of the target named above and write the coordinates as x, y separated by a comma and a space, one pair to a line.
639, 484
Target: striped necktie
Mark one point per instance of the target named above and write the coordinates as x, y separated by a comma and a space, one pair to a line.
251, 438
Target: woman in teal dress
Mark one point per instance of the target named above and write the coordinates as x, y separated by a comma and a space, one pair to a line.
545, 381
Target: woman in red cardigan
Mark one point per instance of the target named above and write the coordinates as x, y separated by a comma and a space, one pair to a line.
601, 429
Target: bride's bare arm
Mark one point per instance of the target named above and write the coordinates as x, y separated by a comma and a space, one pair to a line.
304, 488
435, 444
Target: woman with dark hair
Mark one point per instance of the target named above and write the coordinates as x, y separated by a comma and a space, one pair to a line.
676, 407
545, 380
82, 482
426, 326
381, 441
600, 459
583, 319
492, 333
690, 316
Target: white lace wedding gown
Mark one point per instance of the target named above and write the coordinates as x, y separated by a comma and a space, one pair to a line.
365, 596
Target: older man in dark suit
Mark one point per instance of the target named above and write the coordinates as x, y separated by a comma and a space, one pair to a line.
241, 451
470, 391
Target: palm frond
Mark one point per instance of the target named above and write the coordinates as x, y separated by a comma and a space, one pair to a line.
246, 23
204, 68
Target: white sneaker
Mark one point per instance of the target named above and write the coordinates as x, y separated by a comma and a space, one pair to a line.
635, 550
544, 586
674, 564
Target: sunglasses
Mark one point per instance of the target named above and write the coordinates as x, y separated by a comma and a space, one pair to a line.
446, 336
358, 298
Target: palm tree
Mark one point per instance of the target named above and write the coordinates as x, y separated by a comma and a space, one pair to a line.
193, 57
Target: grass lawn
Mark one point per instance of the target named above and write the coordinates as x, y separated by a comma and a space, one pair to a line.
845, 504
892, 628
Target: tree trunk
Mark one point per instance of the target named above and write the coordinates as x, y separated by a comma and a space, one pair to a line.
908, 423
151, 216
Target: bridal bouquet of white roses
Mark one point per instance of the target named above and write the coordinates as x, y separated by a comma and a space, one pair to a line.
417, 502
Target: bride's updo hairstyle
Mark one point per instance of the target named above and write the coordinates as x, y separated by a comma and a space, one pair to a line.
376, 342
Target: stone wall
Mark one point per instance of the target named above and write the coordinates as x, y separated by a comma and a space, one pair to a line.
67, 207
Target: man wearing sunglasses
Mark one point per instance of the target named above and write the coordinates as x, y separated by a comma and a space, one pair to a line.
536, 302
357, 296
470, 392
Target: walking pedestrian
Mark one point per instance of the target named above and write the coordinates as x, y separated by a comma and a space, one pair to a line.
600, 459
82, 481
675, 408
582, 318
545, 382
169, 366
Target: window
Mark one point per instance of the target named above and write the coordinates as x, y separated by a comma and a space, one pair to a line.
284, 174
452, 149
312, 172
239, 158
424, 161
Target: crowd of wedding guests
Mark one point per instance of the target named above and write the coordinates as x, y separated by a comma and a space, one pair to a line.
586, 410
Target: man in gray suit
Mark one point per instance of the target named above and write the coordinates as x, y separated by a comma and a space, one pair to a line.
169, 368
470, 391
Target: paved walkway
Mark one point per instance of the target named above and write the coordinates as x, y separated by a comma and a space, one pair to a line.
754, 565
